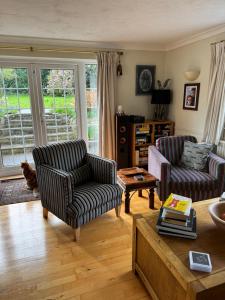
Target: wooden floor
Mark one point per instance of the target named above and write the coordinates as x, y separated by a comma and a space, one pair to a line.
39, 260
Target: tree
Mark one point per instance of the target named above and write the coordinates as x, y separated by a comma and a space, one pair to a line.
58, 80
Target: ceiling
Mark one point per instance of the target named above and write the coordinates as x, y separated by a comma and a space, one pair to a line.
135, 23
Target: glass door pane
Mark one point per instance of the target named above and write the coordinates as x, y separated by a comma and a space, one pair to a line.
16, 121
59, 105
92, 111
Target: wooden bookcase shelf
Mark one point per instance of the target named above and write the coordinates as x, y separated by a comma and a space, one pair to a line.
146, 134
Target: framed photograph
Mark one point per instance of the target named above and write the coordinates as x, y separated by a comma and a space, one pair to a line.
191, 95
145, 79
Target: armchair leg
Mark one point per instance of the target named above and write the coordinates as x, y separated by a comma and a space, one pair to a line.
76, 232
45, 213
118, 209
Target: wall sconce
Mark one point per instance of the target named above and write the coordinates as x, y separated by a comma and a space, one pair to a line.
191, 75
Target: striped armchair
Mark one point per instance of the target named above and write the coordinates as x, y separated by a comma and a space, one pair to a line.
59, 170
163, 163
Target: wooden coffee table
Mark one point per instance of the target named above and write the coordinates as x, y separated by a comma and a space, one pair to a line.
162, 262
129, 184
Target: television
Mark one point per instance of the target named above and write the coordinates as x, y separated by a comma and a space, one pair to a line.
161, 97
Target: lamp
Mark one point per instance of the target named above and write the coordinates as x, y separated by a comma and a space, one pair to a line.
191, 75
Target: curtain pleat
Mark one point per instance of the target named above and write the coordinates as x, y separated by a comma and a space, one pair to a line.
106, 82
214, 124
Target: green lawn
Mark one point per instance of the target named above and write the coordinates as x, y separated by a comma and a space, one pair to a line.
56, 104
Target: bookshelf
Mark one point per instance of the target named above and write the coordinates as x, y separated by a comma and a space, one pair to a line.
146, 134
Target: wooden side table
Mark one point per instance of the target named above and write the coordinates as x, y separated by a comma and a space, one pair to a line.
129, 184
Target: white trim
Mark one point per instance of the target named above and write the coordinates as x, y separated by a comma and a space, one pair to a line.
87, 45
196, 37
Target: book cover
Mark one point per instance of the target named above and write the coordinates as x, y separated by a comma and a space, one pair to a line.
159, 226
179, 204
187, 225
177, 235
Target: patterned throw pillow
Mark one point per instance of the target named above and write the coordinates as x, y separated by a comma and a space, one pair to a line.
195, 156
81, 175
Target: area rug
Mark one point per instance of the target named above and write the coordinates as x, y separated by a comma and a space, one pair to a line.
15, 191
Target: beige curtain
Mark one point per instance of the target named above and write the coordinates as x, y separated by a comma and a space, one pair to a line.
216, 95
106, 102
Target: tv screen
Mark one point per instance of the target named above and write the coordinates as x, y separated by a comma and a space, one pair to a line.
161, 97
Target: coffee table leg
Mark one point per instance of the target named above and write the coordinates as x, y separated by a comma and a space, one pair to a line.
151, 198
127, 202
139, 193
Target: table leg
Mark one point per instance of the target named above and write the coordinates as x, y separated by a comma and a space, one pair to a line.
151, 198
139, 193
127, 202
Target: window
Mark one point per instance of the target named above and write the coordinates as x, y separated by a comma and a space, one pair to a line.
92, 111
41, 104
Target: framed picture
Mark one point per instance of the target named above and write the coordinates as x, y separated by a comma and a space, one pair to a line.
145, 79
191, 95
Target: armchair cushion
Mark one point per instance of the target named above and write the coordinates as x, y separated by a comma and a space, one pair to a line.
92, 195
195, 156
185, 180
81, 175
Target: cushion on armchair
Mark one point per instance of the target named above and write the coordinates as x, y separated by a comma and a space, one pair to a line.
92, 195
195, 156
81, 175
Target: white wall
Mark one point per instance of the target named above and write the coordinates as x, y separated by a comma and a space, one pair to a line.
196, 55
132, 104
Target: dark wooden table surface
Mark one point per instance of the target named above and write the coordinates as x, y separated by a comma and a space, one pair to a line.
125, 178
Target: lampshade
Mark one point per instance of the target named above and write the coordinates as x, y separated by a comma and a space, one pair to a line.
161, 97
191, 75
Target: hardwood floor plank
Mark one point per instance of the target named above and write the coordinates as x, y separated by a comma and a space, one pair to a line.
39, 260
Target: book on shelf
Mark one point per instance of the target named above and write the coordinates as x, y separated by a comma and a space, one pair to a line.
179, 204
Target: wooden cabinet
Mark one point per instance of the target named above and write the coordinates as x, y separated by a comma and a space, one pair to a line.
146, 134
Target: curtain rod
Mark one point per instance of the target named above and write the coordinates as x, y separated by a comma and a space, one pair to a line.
32, 49
217, 42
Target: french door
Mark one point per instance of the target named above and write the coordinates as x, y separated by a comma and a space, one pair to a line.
39, 104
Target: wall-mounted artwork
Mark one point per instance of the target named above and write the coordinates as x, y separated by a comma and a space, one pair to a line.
191, 95
145, 79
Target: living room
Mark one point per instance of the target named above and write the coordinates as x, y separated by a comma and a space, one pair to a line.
80, 111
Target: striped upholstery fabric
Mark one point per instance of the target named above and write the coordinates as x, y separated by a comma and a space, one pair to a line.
65, 156
172, 147
75, 205
198, 185
91, 196
190, 183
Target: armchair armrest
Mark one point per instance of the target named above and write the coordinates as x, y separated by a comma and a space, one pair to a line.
217, 169
158, 165
104, 170
55, 189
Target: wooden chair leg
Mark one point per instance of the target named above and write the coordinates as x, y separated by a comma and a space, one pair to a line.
118, 209
76, 234
45, 213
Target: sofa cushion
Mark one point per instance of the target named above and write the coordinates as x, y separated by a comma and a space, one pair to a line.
91, 195
81, 175
195, 156
183, 180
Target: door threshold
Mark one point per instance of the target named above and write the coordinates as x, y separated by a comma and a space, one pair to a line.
14, 177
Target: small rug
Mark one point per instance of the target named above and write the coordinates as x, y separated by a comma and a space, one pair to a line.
15, 191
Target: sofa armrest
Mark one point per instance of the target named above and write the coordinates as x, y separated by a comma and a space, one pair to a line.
158, 165
104, 170
55, 187
217, 169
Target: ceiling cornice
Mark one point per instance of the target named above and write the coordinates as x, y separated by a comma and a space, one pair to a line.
196, 37
15, 40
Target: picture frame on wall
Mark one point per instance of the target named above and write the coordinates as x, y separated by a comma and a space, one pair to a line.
145, 79
191, 96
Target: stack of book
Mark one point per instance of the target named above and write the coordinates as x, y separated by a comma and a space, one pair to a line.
177, 218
